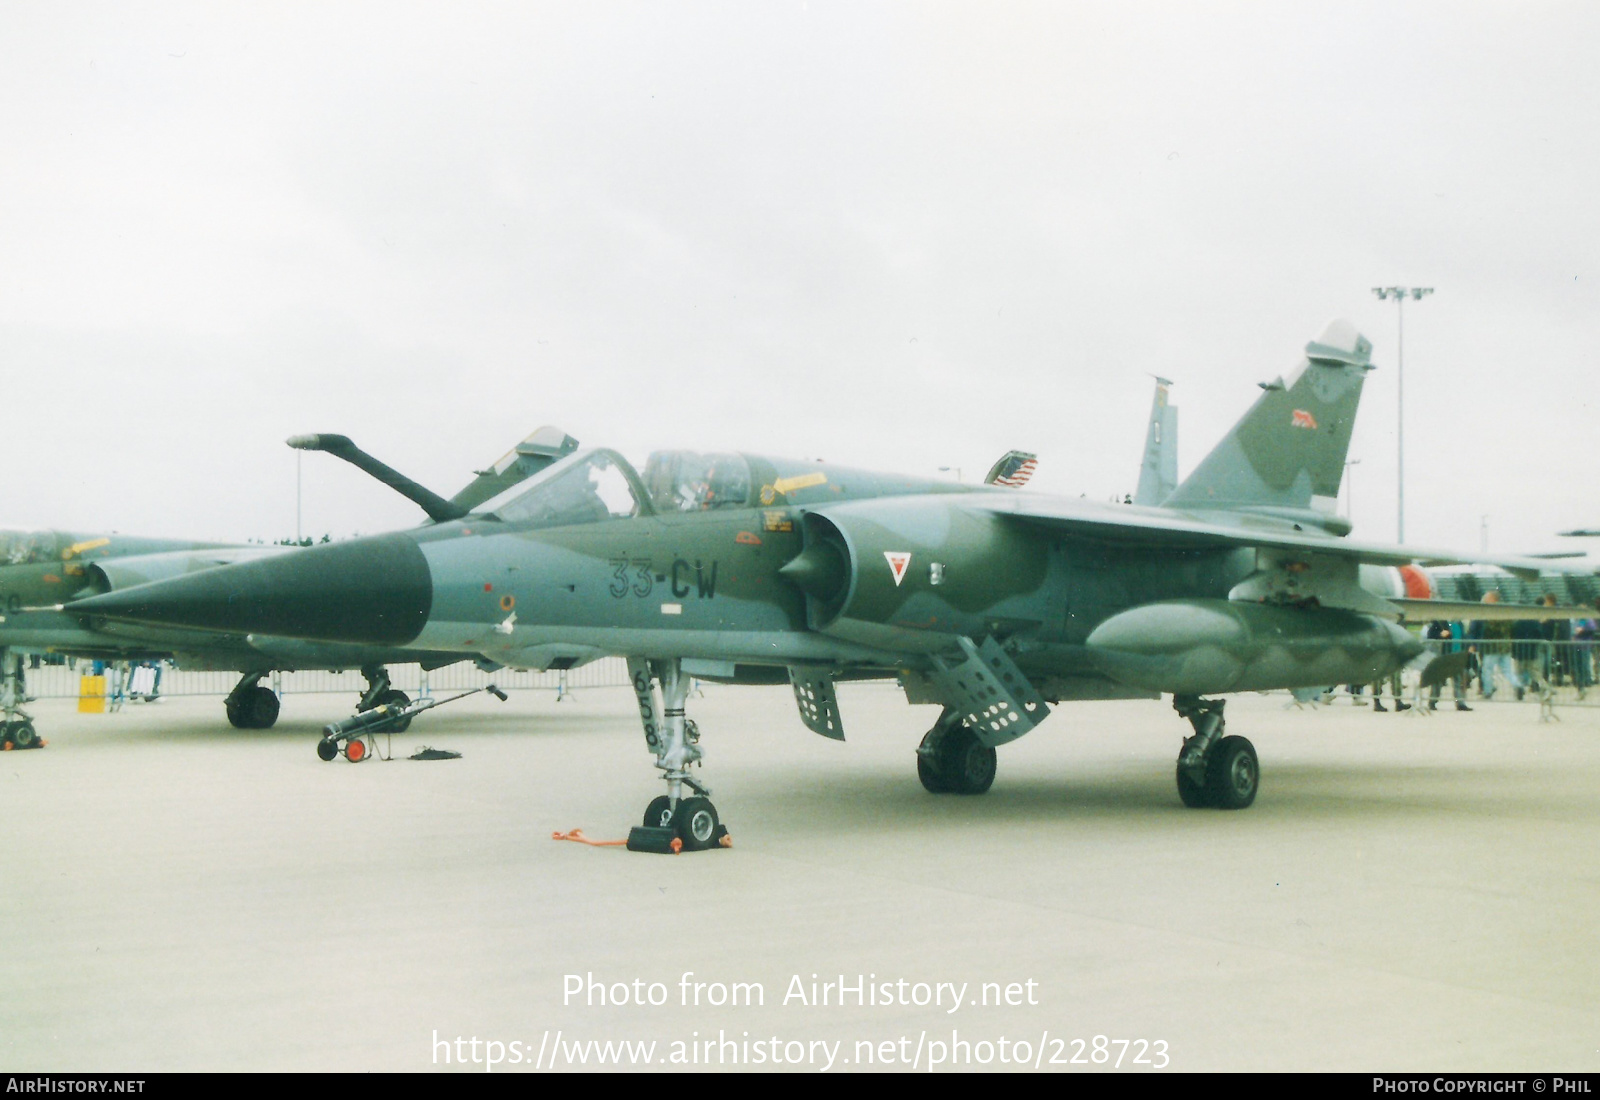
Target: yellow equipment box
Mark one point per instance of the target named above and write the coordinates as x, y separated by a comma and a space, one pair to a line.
92, 695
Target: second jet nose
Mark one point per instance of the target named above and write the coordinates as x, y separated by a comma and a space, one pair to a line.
376, 590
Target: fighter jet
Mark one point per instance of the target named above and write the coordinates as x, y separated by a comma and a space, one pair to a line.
993, 602
41, 570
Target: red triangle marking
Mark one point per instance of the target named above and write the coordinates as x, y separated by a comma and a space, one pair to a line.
898, 560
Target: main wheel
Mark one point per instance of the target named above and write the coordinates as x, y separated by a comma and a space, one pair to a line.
23, 735
928, 772
966, 765
658, 815
261, 708
1232, 773
395, 697
1194, 795
696, 823
252, 709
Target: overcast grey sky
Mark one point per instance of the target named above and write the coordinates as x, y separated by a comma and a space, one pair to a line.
894, 235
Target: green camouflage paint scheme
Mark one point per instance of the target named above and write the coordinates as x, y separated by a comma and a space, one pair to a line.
848, 574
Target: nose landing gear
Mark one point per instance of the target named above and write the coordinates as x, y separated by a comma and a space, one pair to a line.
381, 692
16, 728
675, 821
251, 706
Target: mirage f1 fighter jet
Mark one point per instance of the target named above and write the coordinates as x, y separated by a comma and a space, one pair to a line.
995, 603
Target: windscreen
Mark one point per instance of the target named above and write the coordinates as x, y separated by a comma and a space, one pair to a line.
586, 488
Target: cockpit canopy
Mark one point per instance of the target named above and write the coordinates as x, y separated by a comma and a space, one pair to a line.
587, 487
597, 485
687, 481
30, 547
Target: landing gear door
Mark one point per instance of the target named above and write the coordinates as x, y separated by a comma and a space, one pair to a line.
818, 703
993, 697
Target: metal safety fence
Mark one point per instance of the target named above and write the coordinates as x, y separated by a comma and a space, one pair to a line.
62, 681
1519, 669
1534, 670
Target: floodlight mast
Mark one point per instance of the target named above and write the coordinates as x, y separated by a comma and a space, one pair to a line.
1399, 294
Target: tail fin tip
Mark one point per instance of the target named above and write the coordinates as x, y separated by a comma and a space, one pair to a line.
1341, 343
1288, 451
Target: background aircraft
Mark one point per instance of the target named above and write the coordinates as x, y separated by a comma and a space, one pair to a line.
991, 602
41, 570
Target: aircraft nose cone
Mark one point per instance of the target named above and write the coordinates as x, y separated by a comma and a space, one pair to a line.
375, 590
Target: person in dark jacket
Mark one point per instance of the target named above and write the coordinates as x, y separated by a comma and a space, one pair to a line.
1490, 641
1440, 636
1527, 644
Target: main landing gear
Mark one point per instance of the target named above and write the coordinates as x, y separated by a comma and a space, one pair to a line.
380, 692
1213, 770
251, 706
16, 729
691, 819
951, 759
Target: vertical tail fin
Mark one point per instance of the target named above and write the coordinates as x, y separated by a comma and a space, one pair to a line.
1289, 450
1158, 475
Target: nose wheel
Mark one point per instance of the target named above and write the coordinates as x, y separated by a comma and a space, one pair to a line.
20, 734
250, 706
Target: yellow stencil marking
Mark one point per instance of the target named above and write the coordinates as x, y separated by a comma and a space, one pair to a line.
804, 481
79, 547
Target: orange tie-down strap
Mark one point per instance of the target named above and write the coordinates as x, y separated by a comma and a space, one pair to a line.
577, 834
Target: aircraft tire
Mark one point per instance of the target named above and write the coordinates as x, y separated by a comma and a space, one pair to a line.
22, 734
260, 708
397, 698
966, 765
929, 774
696, 823
1233, 773
237, 715
658, 815
1194, 795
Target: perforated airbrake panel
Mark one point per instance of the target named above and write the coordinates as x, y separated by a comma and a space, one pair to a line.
819, 706
995, 700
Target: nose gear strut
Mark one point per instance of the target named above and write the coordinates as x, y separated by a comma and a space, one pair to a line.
16, 729
691, 820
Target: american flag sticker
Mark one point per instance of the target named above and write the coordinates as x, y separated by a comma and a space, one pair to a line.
1303, 419
898, 561
1014, 470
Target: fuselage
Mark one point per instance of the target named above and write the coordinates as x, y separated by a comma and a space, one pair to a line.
697, 559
